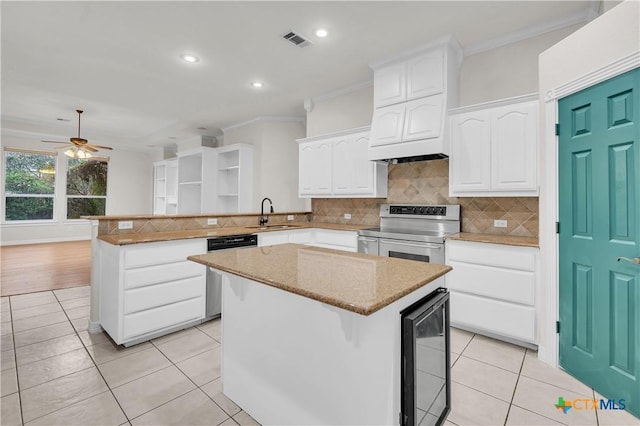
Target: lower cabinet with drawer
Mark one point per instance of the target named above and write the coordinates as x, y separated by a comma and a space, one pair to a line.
493, 289
150, 289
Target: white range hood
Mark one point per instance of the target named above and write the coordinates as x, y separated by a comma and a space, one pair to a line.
412, 94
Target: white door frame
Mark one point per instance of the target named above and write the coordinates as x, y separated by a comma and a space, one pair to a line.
548, 346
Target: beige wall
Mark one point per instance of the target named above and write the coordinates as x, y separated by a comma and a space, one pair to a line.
347, 111
506, 71
129, 191
275, 160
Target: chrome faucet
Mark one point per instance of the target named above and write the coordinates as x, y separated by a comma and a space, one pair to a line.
263, 219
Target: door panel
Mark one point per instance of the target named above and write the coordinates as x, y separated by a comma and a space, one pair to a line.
386, 125
423, 118
599, 213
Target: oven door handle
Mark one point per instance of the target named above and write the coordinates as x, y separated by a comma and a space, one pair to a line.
370, 239
418, 245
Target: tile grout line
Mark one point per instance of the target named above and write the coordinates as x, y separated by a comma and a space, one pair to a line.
15, 359
524, 356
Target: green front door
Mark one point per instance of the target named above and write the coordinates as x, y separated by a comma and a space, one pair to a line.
599, 200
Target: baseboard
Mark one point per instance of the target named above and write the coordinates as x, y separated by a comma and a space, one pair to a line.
44, 241
94, 327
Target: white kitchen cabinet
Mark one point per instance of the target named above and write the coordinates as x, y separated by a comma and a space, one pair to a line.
318, 237
389, 85
412, 94
389, 125
494, 149
150, 289
425, 74
493, 289
196, 180
165, 186
346, 173
315, 168
417, 77
235, 178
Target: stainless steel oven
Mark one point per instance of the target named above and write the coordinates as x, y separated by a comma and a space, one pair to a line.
411, 231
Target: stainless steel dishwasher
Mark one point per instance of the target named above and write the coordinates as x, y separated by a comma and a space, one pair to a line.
214, 279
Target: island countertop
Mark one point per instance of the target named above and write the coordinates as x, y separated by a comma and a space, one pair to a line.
355, 282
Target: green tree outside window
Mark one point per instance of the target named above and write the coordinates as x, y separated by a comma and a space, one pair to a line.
86, 187
29, 185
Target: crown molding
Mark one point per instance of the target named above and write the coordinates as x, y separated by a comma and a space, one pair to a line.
583, 16
293, 118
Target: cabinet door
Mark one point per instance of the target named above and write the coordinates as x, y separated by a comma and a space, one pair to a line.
323, 169
389, 85
470, 159
305, 168
423, 118
314, 168
425, 75
387, 124
343, 160
514, 147
353, 173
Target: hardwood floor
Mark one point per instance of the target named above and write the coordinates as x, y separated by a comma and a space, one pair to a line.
38, 267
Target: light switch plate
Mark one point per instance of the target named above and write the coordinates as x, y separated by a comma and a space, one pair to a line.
212, 221
347, 215
125, 224
499, 223
290, 217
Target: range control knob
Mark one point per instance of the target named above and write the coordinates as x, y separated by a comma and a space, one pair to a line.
393, 209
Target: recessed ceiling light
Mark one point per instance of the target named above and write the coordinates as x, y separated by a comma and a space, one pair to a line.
190, 58
257, 84
321, 32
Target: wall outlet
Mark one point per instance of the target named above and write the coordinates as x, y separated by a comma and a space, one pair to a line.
125, 224
500, 223
347, 216
212, 221
290, 217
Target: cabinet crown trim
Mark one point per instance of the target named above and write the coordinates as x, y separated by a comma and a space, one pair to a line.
334, 134
497, 103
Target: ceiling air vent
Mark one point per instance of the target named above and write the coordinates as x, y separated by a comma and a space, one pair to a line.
296, 39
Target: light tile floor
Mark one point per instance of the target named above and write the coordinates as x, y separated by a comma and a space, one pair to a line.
55, 373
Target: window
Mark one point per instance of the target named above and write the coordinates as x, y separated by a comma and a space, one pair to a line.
86, 187
29, 184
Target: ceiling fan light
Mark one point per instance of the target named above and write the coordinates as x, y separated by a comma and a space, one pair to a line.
71, 152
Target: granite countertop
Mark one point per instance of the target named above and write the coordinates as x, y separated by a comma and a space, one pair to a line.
496, 239
133, 238
356, 282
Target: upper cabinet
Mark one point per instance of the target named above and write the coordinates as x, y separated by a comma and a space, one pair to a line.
336, 165
494, 149
165, 187
411, 96
235, 178
205, 180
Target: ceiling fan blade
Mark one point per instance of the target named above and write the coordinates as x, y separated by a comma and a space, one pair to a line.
89, 148
64, 147
54, 142
99, 146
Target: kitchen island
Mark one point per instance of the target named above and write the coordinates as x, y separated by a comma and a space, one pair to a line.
312, 335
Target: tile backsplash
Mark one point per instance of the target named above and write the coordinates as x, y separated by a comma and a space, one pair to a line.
427, 182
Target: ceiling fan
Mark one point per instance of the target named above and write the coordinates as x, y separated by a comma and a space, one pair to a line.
80, 148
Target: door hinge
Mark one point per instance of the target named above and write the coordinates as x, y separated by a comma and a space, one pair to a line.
558, 327
557, 129
557, 227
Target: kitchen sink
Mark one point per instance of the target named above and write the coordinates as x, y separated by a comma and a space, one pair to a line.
265, 227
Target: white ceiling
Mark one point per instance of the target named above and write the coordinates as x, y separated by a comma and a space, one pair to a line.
120, 61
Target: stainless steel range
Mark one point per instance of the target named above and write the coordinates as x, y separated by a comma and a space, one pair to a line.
411, 231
